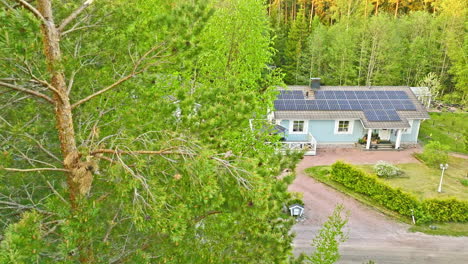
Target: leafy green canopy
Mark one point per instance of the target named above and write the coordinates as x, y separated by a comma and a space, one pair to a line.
219, 202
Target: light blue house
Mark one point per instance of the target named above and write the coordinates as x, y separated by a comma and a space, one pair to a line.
317, 115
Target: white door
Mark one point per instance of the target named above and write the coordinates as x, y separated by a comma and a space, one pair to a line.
384, 134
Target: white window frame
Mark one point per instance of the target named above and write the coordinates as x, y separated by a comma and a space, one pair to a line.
410, 129
291, 125
350, 127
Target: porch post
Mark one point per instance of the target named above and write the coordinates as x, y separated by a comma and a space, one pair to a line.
398, 139
369, 136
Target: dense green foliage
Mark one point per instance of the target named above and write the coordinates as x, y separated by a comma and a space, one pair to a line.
360, 182
348, 42
209, 77
450, 129
328, 239
434, 154
446, 210
443, 210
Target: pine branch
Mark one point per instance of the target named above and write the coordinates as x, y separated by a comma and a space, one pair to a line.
35, 169
74, 14
140, 152
28, 91
32, 10
198, 219
124, 79
135, 71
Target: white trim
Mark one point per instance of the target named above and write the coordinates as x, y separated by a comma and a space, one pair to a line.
350, 127
410, 129
291, 124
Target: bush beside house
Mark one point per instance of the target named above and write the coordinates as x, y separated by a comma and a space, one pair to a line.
441, 210
434, 153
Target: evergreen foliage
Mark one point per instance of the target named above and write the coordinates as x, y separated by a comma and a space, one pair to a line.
391, 42
217, 192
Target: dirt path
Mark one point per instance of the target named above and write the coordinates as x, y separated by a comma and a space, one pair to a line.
372, 235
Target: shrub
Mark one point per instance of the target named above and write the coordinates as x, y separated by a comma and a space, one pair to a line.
361, 182
464, 182
441, 210
434, 153
386, 170
446, 210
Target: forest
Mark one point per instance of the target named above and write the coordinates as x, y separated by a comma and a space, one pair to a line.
374, 42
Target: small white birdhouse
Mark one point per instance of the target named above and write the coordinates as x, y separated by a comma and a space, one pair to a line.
296, 210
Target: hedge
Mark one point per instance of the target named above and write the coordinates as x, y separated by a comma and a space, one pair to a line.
447, 210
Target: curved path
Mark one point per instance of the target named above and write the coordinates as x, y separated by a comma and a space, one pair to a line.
372, 235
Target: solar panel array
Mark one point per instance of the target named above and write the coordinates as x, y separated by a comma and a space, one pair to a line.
376, 105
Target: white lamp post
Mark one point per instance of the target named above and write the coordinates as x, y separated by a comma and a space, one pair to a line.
443, 167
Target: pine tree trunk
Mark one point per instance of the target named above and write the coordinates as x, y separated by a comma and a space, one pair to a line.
396, 8
63, 111
63, 115
377, 8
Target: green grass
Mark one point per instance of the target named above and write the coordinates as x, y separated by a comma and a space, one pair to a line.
423, 181
443, 229
447, 128
321, 173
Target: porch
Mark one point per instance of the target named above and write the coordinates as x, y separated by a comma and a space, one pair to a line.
380, 139
300, 142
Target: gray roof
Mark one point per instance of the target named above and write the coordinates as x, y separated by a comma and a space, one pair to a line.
419, 113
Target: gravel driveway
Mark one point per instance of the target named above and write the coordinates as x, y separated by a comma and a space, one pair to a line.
372, 235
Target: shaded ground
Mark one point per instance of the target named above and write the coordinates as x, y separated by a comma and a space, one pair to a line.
373, 236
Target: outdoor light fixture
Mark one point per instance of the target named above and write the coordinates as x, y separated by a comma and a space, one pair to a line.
443, 167
296, 210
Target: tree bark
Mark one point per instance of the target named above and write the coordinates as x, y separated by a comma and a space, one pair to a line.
63, 110
396, 8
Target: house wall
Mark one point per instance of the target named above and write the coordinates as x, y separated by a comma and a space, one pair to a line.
324, 132
411, 137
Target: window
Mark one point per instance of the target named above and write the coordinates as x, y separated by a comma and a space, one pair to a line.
297, 126
344, 126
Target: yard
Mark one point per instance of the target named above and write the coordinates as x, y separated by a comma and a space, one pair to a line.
419, 180
423, 181
446, 128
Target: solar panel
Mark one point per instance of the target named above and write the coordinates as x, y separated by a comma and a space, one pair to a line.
350, 95
381, 115
340, 95
333, 104
312, 105
360, 94
330, 95
319, 95
400, 95
372, 95
322, 105
377, 105
371, 115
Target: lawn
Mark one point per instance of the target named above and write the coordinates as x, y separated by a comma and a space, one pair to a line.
418, 180
423, 181
446, 128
